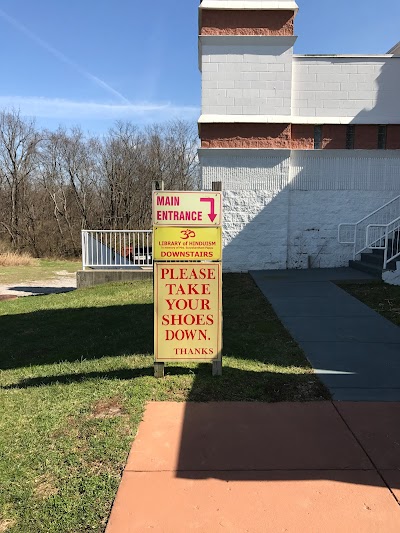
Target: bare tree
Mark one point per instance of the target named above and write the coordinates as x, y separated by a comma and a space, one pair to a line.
54, 184
18, 159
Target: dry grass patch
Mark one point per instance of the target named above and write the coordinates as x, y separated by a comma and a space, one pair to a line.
11, 259
5, 525
108, 408
45, 487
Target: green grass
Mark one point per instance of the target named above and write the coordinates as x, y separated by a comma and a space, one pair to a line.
76, 372
46, 269
383, 298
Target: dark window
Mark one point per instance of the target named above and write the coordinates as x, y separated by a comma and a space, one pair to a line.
350, 134
317, 137
382, 131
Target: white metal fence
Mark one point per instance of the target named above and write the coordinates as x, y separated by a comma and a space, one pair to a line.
124, 249
358, 234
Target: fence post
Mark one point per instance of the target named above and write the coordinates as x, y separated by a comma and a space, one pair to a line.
83, 250
217, 365
157, 185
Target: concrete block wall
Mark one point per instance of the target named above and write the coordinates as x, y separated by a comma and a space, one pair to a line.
260, 104
246, 75
255, 230
363, 89
313, 224
282, 210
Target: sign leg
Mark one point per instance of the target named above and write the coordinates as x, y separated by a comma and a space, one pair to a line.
217, 368
158, 370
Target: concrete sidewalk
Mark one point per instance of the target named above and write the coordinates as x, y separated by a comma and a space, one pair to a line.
257, 467
354, 350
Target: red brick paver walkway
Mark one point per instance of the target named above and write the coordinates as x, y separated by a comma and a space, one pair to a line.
256, 467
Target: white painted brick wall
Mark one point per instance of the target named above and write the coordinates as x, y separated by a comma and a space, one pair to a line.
243, 78
271, 222
245, 170
314, 217
366, 89
255, 227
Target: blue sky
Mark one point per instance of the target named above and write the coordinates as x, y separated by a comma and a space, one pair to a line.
91, 62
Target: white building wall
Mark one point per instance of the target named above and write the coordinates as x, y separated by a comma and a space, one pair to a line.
282, 208
246, 75
364, 89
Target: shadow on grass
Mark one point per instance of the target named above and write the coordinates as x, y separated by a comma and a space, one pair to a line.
234, 384
51, 336
252, 331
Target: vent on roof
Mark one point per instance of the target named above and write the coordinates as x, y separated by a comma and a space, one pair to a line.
395, 50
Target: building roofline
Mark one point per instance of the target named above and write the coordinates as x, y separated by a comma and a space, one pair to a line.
291, 119
250, 4
345, 56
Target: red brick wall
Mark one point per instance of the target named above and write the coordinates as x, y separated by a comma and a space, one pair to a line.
366, 137
245, 135
295, 136
302, 137
393, 137
334, 136
246, 22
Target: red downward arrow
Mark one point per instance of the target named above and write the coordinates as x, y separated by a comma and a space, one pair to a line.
213, 215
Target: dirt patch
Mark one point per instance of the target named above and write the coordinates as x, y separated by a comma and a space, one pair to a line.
45, 487
5, 525
108, 408
64, 283
7, 297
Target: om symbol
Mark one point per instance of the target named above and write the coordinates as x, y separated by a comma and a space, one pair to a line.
187, 234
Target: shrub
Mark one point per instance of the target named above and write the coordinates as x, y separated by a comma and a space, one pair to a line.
9, 259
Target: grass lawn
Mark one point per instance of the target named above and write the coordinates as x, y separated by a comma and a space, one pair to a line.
45, 269
76, 372
383, 298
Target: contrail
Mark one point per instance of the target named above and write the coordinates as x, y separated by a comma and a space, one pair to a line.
59, 55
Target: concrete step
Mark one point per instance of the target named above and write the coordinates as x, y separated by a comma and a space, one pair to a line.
373, 259
370, 268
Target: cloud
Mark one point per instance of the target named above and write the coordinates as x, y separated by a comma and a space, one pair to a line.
61, 109
63, 58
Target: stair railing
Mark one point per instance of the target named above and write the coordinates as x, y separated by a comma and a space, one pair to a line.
385, 237
356, 233
116, 249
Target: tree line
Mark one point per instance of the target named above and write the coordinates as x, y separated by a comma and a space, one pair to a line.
53, 184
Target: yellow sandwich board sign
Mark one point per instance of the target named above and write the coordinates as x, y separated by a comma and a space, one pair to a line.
187, 208
176, 243
187, 253
187, 312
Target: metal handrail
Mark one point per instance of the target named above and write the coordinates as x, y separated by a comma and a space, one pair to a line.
116, 249
380, 240
356, 232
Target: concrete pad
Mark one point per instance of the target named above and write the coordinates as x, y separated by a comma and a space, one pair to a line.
355, 365
365, 395
313, 275
392, 478
90, 278
353, 349
295, 502
377, 427
278, 289
244, 436
325, 306
340, 329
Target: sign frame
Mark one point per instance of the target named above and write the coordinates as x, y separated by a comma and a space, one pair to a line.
176, 240
158, 357
208, 203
